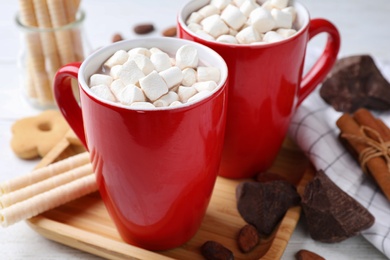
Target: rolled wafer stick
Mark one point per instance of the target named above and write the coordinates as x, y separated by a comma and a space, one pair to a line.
71, 12
377, 166
35, 54
29, 81
32, 190
44, 173
63, 37
48, 200
47, 37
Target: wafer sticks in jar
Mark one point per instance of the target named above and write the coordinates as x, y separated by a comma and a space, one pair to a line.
51, 38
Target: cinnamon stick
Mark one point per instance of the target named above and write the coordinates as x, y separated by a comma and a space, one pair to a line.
377, 166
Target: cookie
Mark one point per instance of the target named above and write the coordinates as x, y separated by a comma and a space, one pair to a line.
36, 136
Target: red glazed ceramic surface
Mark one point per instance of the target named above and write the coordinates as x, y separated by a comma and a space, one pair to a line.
155, 169
265, 88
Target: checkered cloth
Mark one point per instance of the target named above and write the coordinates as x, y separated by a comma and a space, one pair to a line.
314, 129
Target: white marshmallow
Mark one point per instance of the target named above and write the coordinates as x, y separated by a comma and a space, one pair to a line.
233, 32
220, 4
130, 94
104, 92
233, 17
144, 63
153, 86
189, 77
286, 32
282, 19
139, 50
195, 17
172, 76
208, 73
100, 79
116, 87
130, 73
208, 10
194, 27
291, 10
166, 100
199, 96
267, 5
272, 36
280, 4
185, 93
214, 25
119, 58
262, 20
187, 57
248, 35
142, 105
205, 85
227, 39
161, 61
114, 72
204, 35
154, 50
238, 3
175, 104
247, 7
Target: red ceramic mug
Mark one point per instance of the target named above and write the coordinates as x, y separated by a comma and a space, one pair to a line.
265, 88
155, 168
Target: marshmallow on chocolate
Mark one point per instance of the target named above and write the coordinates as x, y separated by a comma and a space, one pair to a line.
187, 57
208, 73
153, 86
100, 79
186, 92
189, 77
103, 91
130, 73
166, 100
160, 60
248, 35
119, 58
130, 94
172, 76
262, 20
233, 17
214, 25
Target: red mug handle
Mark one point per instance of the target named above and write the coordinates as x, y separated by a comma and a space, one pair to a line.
66, 101
325, 62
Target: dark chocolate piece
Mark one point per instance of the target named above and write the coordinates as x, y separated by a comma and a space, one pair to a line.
331, 214
263, 205
307, 255
269, 176
212, 250
248, 238
356, 82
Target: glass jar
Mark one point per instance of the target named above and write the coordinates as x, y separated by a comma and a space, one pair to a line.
44, 50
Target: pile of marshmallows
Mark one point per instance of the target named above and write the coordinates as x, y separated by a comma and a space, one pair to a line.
243, 21
150, 78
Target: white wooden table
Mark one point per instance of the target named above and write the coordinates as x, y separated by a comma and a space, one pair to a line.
364, 29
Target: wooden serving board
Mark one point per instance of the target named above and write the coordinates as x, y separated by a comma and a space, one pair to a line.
86, 225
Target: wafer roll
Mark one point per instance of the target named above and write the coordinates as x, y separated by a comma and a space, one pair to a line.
30, 191
35, 54
71, 12
47, 38
48, 200
63, 37
44, 173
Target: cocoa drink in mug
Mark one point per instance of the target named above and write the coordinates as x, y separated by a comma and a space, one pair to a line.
155, 136
264, 46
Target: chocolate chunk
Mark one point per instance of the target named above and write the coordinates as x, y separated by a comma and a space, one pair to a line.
331, 214
307, 255
169, 32
356, 82
117, 37
263, 205
212, 250
248, 238
144, 28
